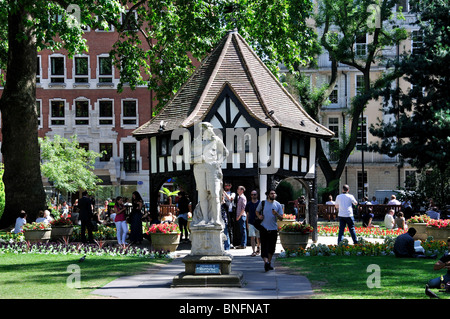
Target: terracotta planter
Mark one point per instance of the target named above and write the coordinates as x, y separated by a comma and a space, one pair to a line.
283, 222
37, 236
421, 229
293, 241
438, 233
58, 233
167, 242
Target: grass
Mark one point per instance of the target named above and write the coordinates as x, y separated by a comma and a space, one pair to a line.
35, 276
346, 277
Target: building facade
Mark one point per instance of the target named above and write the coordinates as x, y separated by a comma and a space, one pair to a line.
78, 96
381, 172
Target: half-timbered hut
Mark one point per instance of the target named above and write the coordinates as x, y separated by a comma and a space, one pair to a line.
269, 135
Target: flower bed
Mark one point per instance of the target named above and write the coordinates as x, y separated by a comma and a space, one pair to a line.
61, 222
103, 233
439, 223
364, 248
297, 227
79, 249
419, 219
373, 232
164, 228
36, 226
288, 217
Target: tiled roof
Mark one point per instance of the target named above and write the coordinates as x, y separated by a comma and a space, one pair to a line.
234, 63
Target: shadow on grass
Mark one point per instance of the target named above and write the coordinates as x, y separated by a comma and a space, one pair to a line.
46, 276
351, 277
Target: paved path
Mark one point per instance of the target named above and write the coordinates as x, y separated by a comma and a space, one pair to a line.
258, 284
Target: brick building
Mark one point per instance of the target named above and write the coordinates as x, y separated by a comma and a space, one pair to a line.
78, 96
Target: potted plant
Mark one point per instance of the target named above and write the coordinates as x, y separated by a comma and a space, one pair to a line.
61, 227
419, 223
295, 235
439, 229
37, 232
168, 193
287, 219
165, 236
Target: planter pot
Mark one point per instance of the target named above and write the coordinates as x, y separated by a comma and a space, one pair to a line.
438, 233
37, 236
59, 232
283, 222
167, 242
421, 229
293, 241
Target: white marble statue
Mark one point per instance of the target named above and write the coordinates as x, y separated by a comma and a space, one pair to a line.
208, 154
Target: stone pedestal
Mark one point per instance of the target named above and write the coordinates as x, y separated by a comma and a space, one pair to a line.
207, 265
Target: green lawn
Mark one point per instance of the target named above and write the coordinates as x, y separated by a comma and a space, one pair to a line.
345, 277
35, 276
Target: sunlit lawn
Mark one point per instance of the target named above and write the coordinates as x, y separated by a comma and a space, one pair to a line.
346, 277
31, 276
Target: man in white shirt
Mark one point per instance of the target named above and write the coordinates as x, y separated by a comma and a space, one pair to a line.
394, 201
389, 221
344, 204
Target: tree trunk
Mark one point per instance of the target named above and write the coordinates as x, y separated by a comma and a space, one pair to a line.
20, 147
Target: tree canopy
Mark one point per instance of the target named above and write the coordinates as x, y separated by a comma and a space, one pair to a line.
157, 43
420, 132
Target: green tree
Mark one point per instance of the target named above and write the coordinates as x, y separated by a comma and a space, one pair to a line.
156, 43
420, 133
69, 166
340, 22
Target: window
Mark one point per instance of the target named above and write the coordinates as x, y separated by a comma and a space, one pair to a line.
85, 146
294, 146
105, 70
165, 146
39, 112
105, 26
129, 112
130, 163
362, 184
417, 42
131, 23
57, 70
38, 69
361, 138
57, 112
107, 152
81, 112
81, 69
105, 112
333, 125
402, 6
359, 85
334, 97
361, 45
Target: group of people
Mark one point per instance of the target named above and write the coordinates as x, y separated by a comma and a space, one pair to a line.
263, 241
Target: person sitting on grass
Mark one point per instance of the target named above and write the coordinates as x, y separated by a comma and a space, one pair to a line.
442, 263
404, 246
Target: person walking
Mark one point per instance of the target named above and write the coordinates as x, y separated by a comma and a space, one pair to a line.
120, 221
269, 211
344, 204
229, 197
136, 218
253, 233
85, 216
241, 216
183, 211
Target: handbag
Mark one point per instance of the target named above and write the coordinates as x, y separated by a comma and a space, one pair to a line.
257, 222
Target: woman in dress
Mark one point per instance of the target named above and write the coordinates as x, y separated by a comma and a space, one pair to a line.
136, 218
